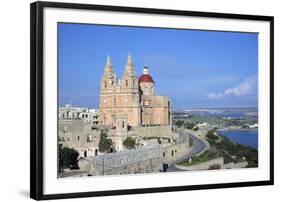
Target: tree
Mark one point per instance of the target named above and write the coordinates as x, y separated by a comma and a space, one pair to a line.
179, 123
210, 135
129, 143
104, 144
68, 157
188, 125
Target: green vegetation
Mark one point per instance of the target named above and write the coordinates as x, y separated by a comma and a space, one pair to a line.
179, 123
233, 152
185, 124
206, 119
214, 120
212, 138
188, 125
68, 157
206, 156
105, 144
129, 143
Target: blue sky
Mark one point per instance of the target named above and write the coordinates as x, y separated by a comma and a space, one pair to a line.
194, 68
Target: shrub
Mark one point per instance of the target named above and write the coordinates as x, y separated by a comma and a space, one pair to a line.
104, 144
188, 125
179, 123
210, 135
68, 157
129, 143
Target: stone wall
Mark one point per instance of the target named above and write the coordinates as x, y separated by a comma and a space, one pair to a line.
144, 160
232, 165
202, 166
174, 152
151, 131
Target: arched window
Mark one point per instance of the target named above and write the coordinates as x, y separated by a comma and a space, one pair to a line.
126, 83
114, 101
105, 84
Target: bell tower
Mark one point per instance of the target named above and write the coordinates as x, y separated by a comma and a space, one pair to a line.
109, 77
129, 78
107, 84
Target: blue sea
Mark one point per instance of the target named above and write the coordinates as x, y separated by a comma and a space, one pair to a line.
245, 137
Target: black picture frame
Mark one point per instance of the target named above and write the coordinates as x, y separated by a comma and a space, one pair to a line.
36, 98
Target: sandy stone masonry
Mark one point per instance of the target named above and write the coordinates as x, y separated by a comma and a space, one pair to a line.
144, 160
133, 96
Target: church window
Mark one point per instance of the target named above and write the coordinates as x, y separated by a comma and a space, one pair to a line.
78, 138
126, 83
114, 101
105, 84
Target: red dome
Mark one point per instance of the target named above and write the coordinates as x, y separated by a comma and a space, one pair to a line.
146, 78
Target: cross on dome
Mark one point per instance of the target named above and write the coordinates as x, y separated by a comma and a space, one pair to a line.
145, 77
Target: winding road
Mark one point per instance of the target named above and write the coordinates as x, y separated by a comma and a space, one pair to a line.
198, 146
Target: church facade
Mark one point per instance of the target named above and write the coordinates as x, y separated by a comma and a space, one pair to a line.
131, 99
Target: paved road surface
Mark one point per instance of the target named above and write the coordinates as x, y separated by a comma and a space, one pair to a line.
198, 146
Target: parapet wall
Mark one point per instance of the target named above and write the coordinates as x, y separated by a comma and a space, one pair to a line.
151, 131
203, 166
144, 160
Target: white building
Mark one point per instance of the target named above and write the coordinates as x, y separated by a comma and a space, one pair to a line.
70, 112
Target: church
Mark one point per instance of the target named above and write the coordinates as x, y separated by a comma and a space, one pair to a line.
131, 99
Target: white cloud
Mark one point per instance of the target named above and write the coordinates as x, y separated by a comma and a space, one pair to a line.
247, 87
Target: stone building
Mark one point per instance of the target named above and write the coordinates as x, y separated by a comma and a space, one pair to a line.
80, 135
86, 114
133, 97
